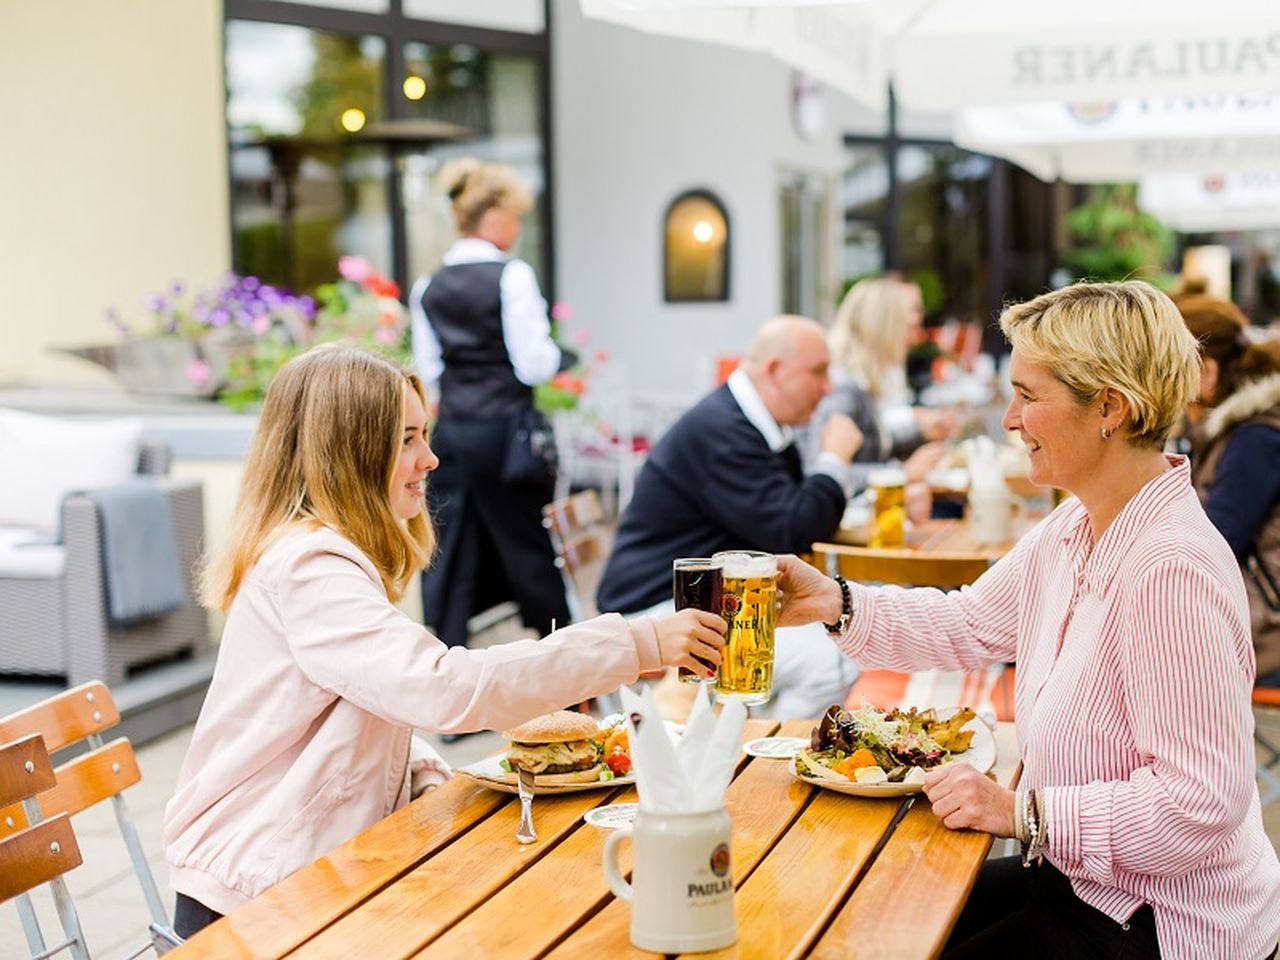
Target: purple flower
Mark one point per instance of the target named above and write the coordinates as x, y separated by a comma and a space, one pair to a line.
176, 288
307, 305
260, 324
250, 283
156, 302
219, 318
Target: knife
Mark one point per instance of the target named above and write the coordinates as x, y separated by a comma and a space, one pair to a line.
524, 783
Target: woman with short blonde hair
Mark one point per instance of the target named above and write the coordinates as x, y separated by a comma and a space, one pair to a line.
305, 736
1125, 614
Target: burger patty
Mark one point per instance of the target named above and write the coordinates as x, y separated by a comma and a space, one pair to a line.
565, 757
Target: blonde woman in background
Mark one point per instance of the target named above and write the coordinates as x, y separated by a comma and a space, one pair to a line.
876, 323
481, 332
305, 737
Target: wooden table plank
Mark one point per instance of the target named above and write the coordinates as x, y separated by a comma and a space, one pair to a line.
762, 801
420, 905
908, 902
788, 899
307, 901
554, 896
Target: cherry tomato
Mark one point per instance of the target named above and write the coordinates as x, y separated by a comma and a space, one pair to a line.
619, 763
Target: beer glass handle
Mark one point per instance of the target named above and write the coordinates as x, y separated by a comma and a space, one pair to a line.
617, 883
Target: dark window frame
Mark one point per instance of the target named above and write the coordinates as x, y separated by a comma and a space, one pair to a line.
698, 193
396, 29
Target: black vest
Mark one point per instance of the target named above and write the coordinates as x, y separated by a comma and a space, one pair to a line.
463, 303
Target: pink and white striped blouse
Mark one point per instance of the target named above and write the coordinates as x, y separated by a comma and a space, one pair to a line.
1132, 695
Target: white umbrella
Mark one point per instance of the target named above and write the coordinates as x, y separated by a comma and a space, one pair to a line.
1202, 204
947, 54
1125, 139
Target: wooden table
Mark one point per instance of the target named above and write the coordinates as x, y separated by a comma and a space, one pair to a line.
818, 874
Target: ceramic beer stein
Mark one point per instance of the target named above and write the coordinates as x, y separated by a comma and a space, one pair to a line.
681, 890
990, 517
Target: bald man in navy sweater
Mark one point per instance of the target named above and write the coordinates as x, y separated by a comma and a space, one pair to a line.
727, 476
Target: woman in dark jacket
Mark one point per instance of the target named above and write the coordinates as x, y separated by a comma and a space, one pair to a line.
481, 332
1235, 445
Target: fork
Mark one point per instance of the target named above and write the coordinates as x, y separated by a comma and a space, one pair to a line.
524, 783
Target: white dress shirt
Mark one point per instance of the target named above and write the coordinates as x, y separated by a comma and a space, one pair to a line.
526, 331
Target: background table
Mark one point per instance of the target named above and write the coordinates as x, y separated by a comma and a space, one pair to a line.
818, 874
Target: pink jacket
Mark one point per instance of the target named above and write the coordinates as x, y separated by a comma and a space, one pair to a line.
304, 737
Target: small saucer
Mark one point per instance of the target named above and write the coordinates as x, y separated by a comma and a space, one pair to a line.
612, 817
775, 748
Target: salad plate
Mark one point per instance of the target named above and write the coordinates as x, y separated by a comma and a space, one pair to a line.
980, 754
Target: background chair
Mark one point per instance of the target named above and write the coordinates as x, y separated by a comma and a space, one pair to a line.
989, 690
53, 614
1266, 730
581, 541
104, 771
41, 852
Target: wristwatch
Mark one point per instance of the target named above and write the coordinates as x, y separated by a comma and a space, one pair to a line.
846, 608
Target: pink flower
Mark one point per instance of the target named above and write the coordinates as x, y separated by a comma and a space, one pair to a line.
354, 269
581, 336
260, 324
198, 372
602, 356
386, 336
562, 312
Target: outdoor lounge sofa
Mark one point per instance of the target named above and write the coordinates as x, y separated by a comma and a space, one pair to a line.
53, 606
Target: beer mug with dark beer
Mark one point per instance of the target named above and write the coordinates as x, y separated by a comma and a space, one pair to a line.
696, 582
750, 591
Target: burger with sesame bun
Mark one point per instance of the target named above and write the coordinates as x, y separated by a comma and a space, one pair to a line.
557, 748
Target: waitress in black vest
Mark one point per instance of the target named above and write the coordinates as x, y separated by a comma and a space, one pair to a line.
481, 332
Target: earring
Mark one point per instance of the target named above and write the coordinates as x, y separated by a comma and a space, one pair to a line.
1106, 433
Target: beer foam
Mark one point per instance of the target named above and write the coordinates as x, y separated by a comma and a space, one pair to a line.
742, 565
887, 477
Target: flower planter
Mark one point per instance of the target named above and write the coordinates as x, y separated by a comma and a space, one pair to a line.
163, 366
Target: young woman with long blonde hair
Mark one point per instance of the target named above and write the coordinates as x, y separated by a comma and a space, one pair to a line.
305, 737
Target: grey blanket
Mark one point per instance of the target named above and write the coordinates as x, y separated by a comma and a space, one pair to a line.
139, 552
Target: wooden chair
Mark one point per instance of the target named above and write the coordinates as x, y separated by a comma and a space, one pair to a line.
40, 851
989, 689
581, 542
103, 772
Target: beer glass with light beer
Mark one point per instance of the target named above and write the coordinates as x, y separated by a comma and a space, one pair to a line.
750, 593
696, 582
888, 489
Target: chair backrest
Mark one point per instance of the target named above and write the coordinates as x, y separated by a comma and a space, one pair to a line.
37, 853
904, 567
41, 852
581, 543
101, 773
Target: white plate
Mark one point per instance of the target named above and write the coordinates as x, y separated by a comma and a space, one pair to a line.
981, 754
489, 773
612, 817
774, 748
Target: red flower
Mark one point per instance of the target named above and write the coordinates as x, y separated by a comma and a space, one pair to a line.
382, 286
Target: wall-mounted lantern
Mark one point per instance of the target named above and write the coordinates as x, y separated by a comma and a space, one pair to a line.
696, 249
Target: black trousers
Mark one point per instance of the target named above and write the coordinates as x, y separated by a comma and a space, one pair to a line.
493, 546
191, 916
1017, 911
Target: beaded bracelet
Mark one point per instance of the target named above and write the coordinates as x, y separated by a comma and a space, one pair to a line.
846, 608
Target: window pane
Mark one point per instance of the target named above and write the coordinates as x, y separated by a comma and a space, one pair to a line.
696, 249
364, 6
308, 180
497, 97
524, 16
944, 228
865, 193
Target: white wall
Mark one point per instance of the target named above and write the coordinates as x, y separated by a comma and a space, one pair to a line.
638, 120
113, 176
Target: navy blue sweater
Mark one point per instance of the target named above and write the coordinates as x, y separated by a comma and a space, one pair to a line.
710, 484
